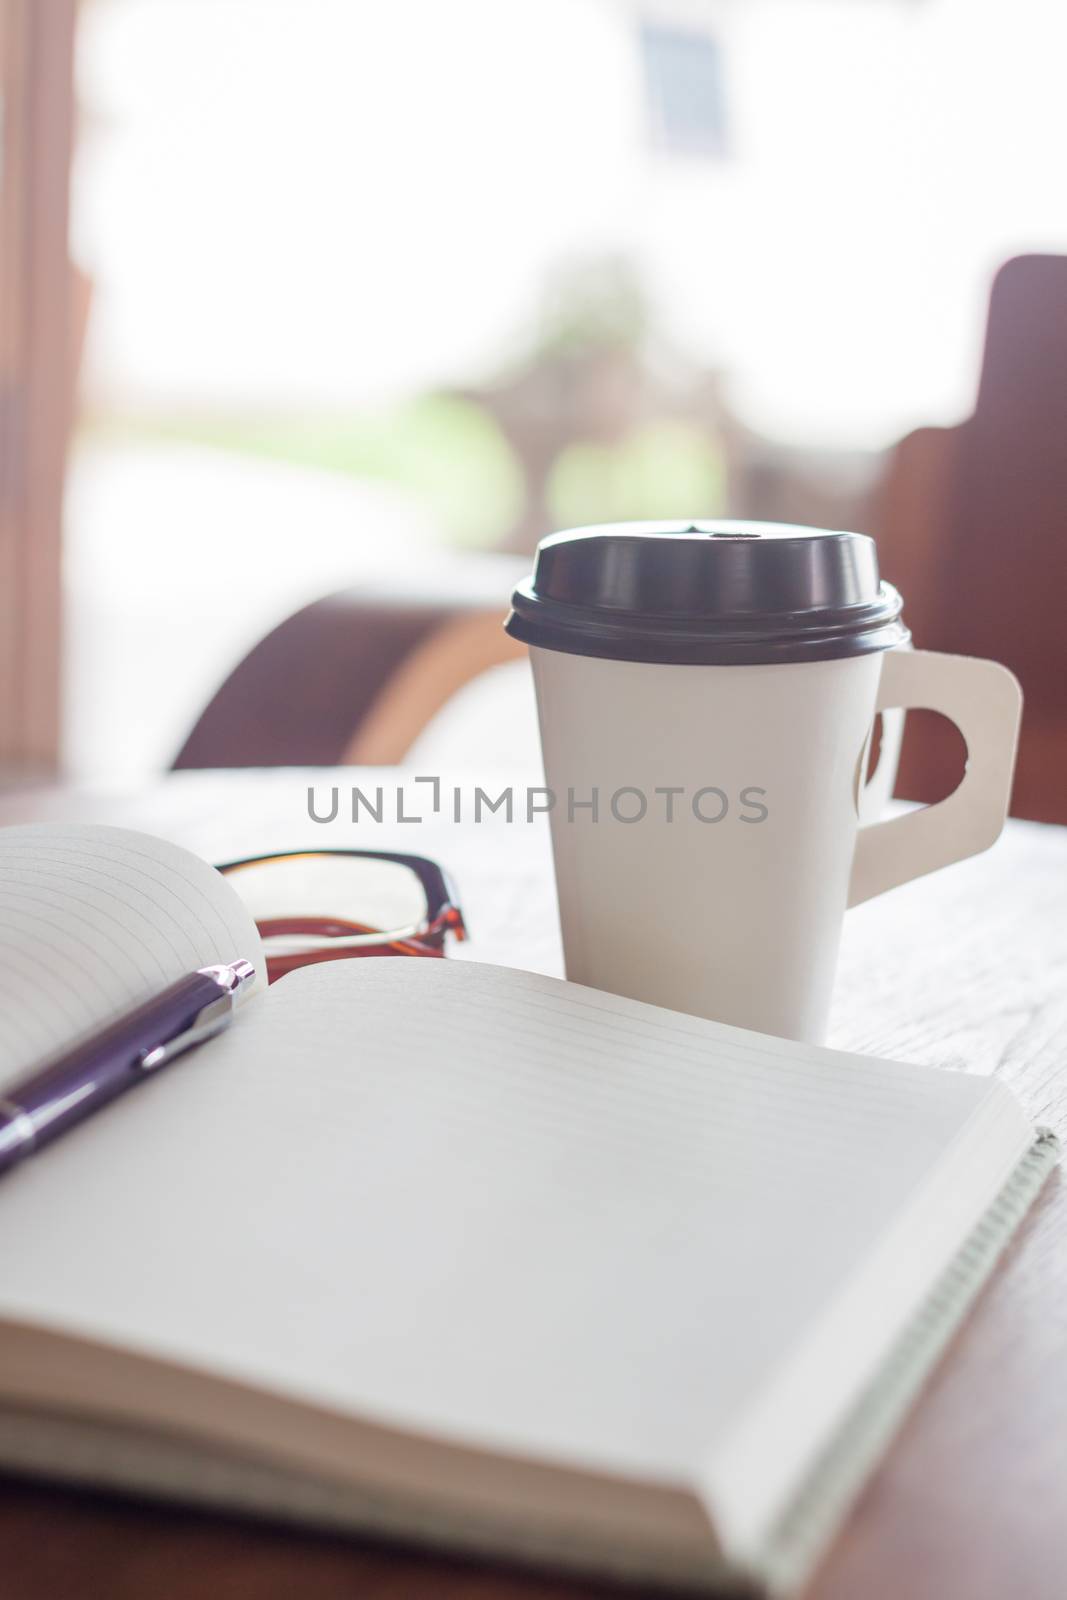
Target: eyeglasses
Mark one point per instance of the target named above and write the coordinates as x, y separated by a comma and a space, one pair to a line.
326, 905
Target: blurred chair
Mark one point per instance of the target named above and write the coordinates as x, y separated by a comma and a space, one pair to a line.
356, 676
971, 523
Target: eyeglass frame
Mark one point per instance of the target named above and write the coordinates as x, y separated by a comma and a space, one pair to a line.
443, 914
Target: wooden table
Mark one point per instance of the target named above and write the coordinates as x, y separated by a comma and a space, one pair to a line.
967, 970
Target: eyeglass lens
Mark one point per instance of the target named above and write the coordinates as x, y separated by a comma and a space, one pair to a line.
350, 891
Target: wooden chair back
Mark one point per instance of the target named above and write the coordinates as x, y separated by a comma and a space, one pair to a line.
356, 676
972, 526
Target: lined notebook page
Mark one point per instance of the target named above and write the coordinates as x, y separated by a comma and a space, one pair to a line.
94, 920
481, 1203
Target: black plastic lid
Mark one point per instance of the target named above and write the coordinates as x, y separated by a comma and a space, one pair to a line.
707, 592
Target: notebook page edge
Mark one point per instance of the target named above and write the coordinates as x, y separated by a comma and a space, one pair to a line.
852, 1335
807, 1525
96, 1388
96, 920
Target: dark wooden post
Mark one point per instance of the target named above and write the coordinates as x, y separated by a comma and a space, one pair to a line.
36, 369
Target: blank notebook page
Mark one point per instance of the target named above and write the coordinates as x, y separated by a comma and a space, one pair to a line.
480, 1203
95, 920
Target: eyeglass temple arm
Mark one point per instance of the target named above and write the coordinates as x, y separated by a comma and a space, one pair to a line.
449, 920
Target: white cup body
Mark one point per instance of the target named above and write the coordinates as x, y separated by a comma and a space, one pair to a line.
732, 907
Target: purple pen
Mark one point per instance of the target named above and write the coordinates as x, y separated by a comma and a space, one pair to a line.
72, 1086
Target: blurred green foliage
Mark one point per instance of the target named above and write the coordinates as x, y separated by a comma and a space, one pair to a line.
663, 470
590, 305
580, 388
444, 449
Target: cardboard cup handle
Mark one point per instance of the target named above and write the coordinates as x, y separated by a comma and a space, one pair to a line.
984, 700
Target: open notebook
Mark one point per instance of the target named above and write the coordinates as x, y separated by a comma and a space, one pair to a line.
469, 1255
